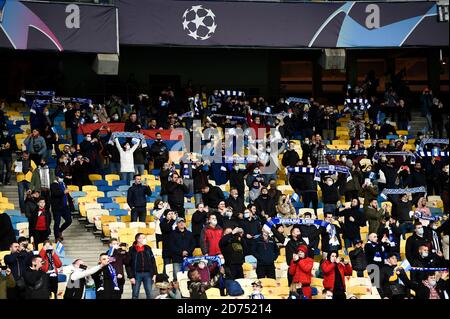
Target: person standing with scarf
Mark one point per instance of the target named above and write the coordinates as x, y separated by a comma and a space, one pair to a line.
106, 280
50, 266
39, 223
59, 195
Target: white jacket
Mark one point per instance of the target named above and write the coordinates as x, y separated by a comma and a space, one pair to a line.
126, 158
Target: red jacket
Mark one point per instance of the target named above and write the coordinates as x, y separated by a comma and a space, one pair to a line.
255, 127
57, 262
301, 270
210, 238
328, 273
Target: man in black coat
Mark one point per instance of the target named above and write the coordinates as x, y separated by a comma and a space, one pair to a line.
235, 201
142, 267
358, 258
36, 281
376, 251
426, 259
232, 247
198, 222
119, 258
182, 244
212, 196
388, 286
132, 124
176, 191
415, 241
105, 280
265, 205
237, 178
312, 232
290, 157
159, 152
59, 202
19, 261
136, 199
266, 252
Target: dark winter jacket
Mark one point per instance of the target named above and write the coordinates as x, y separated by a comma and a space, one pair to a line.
136, 196
179, 242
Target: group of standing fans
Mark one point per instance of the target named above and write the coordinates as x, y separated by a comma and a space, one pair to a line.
246, 221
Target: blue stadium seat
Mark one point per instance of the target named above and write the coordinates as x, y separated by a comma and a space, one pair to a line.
123, 188
13, 212
119, 183
118, 212
189, 205
111, 206
101, 183
77, 194
106, 189
18, 219
104, 200
114, 194
21, 122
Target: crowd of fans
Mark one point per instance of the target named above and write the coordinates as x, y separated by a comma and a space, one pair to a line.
243, 223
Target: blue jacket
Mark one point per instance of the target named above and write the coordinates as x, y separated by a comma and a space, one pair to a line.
18, 263
179, 242
265, 252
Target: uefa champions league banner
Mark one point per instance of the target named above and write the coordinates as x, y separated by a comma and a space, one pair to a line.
58, 26
271, 24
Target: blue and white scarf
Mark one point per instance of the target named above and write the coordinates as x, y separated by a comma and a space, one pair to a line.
332, 169
420, 215
433, 153
229, 117
300, 169
356, 105
426, 141
36, 93
113, 271
400, 191
191, 260
345, 152
378, 155
407, 267
138, 136
291, 99
232, 93
281, 114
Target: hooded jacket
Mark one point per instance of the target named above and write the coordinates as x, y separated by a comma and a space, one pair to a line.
209, 240
301, 269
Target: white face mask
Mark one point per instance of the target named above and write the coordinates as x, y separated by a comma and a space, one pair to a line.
329, 183
424, 254
60, 180
88, 138
420, 232
256, 171
247, 215
432, 282
236, 168
46, 113
127, 147
344, 159
213, 222
95, 118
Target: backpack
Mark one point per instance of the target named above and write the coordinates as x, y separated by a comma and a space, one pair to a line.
233, 288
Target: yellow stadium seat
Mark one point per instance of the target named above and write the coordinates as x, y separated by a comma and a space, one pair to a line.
268, 282
125, 219
2, 256
146, 231
213, 293
137, 225
96, 194
95, 177
73, 188
402, 132
120, 199
3, 200
6, 206
87, 188
111, 177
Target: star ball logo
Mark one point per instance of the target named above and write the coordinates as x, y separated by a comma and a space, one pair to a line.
199, 22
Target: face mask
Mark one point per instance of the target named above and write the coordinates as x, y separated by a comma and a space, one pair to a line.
65, 161
235, 196
115, 117
5, 133
95, 118
144, 242
344, 159
236, 168
329, 183
256, 186
256, 171
158, 140
420, 232
264, 195
247, 215
46, 113
42, 164
213, 222
434, 226
88, 138
424, 254
127, 147
432, 282
115, 247
445, 170
60, 180
228, 214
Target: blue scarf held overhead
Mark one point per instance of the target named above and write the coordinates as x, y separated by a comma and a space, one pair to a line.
191, 260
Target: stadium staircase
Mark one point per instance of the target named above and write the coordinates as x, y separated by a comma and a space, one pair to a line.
417, 123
